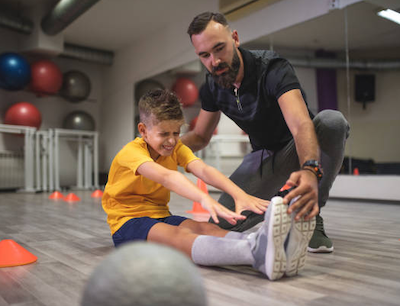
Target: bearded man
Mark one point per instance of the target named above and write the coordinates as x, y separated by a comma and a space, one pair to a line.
260, 92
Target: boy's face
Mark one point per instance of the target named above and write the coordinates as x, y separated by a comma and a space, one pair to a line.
161, 137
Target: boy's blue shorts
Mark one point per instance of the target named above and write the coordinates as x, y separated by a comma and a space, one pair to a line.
138, 228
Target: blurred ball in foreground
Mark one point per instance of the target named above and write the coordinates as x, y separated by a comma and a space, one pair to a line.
144, 273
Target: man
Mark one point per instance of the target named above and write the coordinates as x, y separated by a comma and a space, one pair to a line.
260, 92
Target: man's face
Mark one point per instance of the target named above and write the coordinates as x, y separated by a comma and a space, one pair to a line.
217, 48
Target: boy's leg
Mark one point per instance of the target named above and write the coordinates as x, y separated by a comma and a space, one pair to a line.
264, 249
183, 235
204, 228
178, 237
135, 229
210, 229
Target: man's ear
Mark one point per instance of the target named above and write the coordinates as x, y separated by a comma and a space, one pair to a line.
235, 37
142, 128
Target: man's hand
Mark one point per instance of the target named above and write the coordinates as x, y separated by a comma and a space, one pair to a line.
254, 204
307, 188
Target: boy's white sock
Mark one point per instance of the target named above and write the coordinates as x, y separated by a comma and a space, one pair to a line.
217, 251
236, 235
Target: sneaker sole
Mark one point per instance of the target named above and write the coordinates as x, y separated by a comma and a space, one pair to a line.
296, 251
321, 249
278, 229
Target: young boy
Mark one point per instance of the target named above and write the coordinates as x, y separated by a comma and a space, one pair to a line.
138, 191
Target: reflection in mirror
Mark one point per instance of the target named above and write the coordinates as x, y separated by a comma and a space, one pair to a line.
362, 83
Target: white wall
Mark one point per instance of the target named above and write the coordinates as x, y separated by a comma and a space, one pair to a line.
375, 130
53, 109
168, 48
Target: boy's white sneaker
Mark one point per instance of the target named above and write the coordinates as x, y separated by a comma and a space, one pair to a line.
300, 234
268, 243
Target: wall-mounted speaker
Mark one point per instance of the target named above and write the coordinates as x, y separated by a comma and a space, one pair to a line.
365, 88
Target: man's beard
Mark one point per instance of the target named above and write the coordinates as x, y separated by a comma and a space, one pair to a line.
227, 79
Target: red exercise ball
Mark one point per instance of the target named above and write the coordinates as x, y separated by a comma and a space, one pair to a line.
46, 77
193, 124
23, 113
186, 90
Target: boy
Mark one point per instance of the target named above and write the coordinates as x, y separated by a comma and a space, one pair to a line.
138, 191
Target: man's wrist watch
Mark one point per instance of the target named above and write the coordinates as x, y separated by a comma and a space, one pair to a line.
315, 167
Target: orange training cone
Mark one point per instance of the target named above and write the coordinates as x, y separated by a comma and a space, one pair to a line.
12, 254
72, 198
56, 195
356, 172
285, 187
197, 208
97, 194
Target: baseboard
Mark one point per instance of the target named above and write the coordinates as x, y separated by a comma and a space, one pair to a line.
371, 187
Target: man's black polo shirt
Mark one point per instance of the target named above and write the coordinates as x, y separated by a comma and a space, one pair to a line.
266, 78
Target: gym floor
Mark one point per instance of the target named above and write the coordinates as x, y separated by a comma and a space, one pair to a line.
70, 239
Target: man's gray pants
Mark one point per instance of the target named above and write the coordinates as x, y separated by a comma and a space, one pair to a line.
263, 173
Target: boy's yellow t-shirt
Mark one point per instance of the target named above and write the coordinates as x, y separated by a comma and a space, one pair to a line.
130, 195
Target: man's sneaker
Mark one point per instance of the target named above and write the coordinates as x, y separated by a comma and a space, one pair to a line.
268, 242
297, 242
320, 242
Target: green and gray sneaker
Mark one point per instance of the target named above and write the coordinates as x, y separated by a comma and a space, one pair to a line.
320, 242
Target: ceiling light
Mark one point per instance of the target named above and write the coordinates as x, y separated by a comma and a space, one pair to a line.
390, 14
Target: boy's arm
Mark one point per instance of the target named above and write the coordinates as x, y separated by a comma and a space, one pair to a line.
213, 177
178, 183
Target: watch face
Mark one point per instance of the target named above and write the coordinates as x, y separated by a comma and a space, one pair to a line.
313, 163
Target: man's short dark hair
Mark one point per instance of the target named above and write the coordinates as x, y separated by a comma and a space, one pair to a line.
200, 22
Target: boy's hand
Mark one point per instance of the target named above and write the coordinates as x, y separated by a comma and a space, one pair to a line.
216, 209
254, 204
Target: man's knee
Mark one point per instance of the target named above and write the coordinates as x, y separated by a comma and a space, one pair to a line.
331, 125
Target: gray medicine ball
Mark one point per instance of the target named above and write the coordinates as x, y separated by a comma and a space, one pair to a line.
79, 120
76, 86
144, 273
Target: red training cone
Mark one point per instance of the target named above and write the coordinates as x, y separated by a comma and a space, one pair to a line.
356, 172
197, 208
56, 195
72, 198
12, 254
97, 194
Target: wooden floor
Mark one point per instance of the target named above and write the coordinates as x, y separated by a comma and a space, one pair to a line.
71, 239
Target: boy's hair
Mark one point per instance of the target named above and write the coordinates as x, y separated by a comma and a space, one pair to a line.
200, 22
162, 104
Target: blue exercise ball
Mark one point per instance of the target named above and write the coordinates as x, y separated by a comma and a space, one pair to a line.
15, 72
